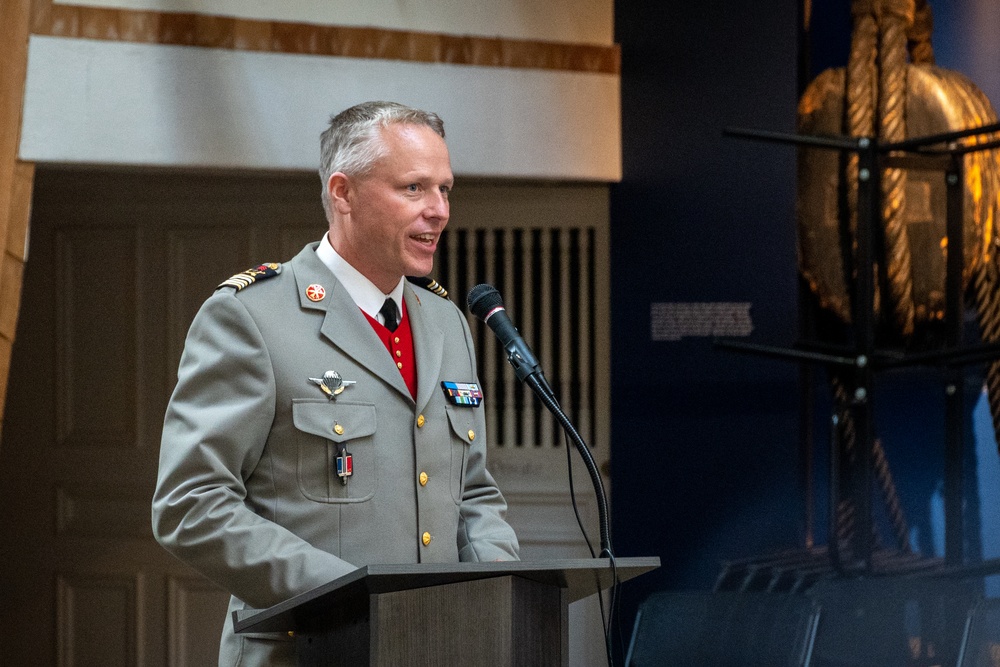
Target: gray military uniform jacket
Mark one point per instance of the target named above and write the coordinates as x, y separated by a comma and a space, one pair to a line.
248, 492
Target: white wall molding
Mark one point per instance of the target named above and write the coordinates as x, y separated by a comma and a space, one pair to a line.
119, 103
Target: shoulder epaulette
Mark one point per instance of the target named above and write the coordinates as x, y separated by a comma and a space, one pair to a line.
250, 276
429, 284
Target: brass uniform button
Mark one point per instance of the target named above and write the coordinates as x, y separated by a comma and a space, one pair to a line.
338, 429
399, 364
398, 353
472, 434
423, 479
426, 539
420, 421
396, 339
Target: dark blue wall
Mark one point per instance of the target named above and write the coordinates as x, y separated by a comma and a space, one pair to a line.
706, 463
705, 460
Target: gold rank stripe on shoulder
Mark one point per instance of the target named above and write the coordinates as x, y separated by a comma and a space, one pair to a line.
429, 284
250, 276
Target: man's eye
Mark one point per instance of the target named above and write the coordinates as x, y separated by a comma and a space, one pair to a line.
412, 187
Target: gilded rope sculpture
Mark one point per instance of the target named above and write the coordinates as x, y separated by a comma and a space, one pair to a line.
891, 90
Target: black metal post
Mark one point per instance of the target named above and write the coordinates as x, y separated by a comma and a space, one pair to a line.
869, 199
954, 374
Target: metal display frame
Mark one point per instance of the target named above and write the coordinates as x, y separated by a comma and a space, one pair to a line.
864, 359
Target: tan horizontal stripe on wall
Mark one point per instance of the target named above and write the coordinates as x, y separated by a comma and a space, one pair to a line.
304, 38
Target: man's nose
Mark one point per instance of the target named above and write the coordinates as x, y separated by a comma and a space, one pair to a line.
437, 205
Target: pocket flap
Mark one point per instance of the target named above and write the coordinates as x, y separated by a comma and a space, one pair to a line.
334, 420
463, 423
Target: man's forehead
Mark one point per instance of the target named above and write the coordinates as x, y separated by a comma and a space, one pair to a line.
410, 147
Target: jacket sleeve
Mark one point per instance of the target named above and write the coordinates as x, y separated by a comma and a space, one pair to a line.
483, 532
214, 432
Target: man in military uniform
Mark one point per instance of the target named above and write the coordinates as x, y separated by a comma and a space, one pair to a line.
315, 427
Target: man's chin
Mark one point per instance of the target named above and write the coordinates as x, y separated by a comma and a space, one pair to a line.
420, 269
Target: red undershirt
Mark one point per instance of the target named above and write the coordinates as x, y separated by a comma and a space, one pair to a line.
400, 346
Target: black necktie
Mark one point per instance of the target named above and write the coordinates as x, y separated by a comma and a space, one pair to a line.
388, 313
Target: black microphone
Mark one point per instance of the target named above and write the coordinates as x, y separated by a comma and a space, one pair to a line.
486, 304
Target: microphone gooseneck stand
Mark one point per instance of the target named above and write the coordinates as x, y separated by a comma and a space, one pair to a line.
544, 393
486, 304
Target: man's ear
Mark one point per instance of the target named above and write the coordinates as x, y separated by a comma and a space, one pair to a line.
339, 188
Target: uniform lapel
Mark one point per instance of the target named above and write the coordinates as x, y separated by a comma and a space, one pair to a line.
344, 325
428, 347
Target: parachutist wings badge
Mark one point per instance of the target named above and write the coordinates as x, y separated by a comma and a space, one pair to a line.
332, 384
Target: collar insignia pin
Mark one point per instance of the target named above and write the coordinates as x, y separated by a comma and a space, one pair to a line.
315, 292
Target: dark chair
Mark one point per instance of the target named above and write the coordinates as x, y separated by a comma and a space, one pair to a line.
890, 621
981, 641
723, 629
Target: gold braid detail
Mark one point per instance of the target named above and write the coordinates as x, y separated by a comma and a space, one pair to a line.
919, 35
860, 109
892, 21
985, 282
845, 512
859, 121
890, 496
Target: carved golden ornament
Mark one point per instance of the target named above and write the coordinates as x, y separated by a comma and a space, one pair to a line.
880, 94
936, 101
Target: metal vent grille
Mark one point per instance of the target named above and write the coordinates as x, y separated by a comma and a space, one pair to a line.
546, 278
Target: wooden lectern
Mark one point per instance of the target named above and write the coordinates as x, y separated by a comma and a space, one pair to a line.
488, 614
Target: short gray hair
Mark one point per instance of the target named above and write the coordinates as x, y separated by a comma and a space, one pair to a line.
352, 143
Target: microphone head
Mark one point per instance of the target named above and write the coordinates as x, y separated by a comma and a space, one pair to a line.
484, 299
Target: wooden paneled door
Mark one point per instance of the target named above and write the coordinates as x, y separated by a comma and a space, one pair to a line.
118, 265
119, 262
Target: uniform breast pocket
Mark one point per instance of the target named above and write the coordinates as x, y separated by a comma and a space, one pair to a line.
326, 430
463, 426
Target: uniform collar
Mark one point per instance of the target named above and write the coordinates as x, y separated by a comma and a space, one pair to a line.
362, 291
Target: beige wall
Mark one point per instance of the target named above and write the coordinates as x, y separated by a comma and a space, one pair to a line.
124, 103
125, 87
